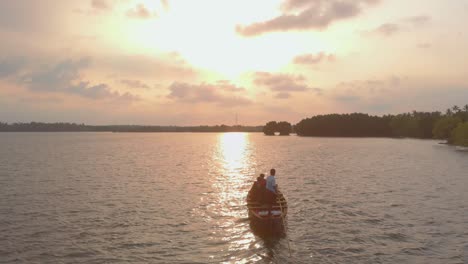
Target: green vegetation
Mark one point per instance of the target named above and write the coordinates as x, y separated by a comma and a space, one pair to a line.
444, 127
415, 124
459, 135
346, 125
450, 126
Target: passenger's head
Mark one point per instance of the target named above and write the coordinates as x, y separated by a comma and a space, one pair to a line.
273, 172
262, 176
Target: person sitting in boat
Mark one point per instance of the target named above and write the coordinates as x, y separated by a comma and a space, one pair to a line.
258, 188
261, 182
271, 187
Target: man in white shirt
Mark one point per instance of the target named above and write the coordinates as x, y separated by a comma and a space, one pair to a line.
271, 181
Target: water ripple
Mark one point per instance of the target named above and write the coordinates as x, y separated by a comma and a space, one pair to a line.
180, 198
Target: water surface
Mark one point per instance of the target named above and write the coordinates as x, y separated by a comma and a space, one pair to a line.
180, 198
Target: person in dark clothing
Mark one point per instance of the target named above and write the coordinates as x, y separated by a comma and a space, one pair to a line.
258, 189
261, 182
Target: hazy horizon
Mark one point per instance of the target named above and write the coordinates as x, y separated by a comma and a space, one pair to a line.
190, 63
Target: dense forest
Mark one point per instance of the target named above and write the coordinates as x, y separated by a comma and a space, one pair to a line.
451, 125
72, 127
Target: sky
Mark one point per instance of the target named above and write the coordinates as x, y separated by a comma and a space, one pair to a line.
202, 62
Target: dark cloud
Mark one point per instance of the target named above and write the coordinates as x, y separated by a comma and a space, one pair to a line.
135, 84
141, 12
221, 94
310, 59
283, 82
65, 77
306, 15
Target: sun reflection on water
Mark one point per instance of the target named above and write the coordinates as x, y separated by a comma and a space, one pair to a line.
236, 167
235, 163
233, 148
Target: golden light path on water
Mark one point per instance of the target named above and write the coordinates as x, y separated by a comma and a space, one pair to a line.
236, 163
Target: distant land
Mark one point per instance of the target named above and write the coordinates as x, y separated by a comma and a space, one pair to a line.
451, 126
73, 127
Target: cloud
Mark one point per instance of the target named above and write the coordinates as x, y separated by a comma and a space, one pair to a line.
165, 4
228, 86
64, 77
141, 12
307, 15
387, 29
10, 66
282, 95
310, 59
405, 24
135, 84
220, 93
424, 45
283, 82
100, 4
395, 95
164, 67
418, 21
33, 16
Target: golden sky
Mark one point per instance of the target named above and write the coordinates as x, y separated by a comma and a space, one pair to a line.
191, 62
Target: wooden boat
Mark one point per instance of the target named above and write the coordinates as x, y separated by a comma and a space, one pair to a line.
461, 148
275, 212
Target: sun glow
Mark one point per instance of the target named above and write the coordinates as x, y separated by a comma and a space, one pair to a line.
208, 40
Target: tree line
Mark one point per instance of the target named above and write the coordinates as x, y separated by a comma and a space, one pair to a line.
73, 127
451, 125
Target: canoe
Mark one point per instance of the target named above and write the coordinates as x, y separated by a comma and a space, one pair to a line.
460, 148
267, 212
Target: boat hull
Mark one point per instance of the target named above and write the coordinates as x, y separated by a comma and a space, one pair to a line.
268, 213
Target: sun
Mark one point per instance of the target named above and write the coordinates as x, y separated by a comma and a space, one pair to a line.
207, 39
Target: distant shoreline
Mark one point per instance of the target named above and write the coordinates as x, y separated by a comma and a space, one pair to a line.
73, 127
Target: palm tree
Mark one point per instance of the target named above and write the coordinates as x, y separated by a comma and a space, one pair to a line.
449, 112
466, 108
456, 109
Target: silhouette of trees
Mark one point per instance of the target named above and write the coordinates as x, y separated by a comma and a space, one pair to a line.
449, 112
346, 125
451, 126
283, 127
72, 127
415, 124
270, 128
